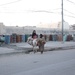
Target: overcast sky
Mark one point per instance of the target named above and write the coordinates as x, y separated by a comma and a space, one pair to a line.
32, 12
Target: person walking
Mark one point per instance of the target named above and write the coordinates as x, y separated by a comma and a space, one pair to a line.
41, 43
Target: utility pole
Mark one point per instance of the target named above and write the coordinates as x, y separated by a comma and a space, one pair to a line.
62, 20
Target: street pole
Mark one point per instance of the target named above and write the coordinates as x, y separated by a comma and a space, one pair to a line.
62, 20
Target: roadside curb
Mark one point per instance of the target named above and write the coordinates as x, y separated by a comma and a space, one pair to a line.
28, 50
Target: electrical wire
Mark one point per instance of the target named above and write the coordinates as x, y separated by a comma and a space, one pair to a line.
54, 13
71, 2
41, 11
69, 12
69, 16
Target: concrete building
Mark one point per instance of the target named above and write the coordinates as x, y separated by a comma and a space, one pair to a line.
53, 29
57, 25
2, 29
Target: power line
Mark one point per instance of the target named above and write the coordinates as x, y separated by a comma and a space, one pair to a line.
10, 3
69, 16
41, 11
71, 2
69, 12
53, 13
34, 12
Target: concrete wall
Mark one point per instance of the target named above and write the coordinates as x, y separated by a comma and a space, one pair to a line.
8, 30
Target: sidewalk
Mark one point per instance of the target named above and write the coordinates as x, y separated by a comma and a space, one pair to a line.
25, 47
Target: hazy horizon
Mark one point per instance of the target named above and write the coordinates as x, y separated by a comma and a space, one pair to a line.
34, 12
